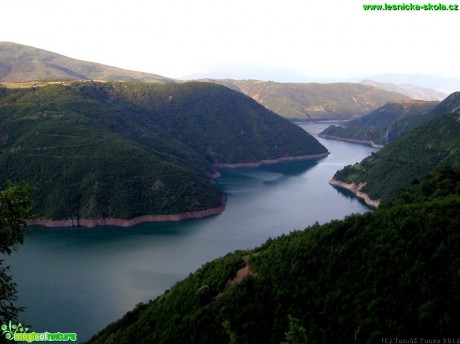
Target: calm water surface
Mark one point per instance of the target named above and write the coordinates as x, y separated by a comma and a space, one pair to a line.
79, 280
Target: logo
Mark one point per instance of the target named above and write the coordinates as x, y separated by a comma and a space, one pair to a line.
20, 333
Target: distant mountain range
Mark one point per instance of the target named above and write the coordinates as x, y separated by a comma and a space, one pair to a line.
314, 101
412, 91
95, 151
445, 85
20, 63
301, 101
429, 146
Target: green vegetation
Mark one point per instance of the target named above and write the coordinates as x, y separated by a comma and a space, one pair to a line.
20, 63
383, 125
427, 147
96, 150
15, 207
392, 120
394, 272
314, 101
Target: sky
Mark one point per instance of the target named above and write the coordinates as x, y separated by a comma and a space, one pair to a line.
286, 40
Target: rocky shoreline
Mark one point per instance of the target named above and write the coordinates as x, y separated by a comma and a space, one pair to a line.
356, 189
273, 161
75, 222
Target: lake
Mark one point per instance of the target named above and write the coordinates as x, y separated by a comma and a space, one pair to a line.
81, 279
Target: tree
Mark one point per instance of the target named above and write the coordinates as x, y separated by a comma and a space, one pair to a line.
296, 334
230, 332
15, 207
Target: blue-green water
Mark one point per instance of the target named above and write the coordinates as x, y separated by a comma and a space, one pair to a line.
79, 280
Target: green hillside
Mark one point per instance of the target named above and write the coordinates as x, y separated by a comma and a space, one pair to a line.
314, 101
20, 63
383, 125
392, 273
429, 146
96, 150
222, 125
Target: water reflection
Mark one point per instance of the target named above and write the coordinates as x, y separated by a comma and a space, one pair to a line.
101, 273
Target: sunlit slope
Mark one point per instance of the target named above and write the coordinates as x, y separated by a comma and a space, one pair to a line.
20, 63
315, 101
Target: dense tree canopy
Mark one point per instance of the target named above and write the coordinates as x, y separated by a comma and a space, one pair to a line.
15, 207
394, 272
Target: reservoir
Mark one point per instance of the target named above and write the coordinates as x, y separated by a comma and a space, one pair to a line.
81, 279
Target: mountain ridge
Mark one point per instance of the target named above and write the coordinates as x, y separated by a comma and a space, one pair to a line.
121, 150
384, 124
429, 146
412, 91
314, 101
21, 63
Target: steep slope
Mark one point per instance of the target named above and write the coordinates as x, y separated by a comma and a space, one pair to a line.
20, 63
429, 146
80, 169
122, 150
223, 125
391, 273
412, 91
383, 125
313, 101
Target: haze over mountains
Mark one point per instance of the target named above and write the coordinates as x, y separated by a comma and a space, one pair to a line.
442, 84
314, 101
302, 101
121, 149
414, 92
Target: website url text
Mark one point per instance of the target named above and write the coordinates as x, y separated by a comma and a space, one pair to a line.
410, 7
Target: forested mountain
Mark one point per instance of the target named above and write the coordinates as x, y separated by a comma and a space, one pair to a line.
121, 150
429, 146
20, 63
383, 125
391, 121
314, 101
391, 273
303, 101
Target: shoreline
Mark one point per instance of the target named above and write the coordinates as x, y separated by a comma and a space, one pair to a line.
356, 189
362, 142
272, 161
109, 221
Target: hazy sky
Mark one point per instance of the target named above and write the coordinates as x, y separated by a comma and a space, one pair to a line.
275, 40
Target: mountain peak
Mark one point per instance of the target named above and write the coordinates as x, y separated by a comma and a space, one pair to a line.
21, 63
